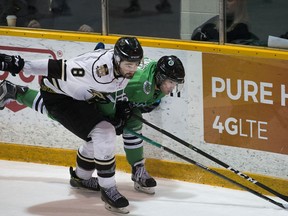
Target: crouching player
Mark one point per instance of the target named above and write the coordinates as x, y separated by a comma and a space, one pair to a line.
143, 93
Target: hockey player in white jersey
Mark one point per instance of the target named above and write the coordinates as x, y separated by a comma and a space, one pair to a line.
67, 88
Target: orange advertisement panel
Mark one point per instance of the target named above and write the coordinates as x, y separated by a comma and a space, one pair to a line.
246, 102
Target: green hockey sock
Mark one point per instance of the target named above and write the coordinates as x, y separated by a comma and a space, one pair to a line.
27, 98
134, 155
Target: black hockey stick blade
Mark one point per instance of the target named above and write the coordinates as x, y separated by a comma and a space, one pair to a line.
154, 143
237, 172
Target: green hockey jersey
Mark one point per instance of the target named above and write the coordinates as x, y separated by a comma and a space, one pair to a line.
141, 91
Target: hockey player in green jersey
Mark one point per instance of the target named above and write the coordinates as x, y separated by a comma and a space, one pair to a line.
144, 92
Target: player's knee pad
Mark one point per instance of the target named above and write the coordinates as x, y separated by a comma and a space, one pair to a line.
104, 142
87, 149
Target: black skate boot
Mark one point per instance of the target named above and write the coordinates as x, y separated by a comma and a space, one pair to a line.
143, 182
8, 92
114, 201
13, 64
90, 184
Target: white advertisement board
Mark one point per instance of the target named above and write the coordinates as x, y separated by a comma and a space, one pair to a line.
181, 114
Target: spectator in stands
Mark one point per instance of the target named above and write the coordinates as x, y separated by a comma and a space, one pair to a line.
59, 7
34, 24
25, 10
237, 30
163, 7
285, 36
85, 28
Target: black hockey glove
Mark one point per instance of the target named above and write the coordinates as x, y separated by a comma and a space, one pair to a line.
119, 125
13, 64
147, 109
123, 113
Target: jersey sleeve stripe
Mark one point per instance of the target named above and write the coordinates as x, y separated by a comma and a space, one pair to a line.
64, 72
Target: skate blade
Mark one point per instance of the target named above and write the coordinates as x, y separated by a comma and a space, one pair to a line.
147, 190
123, 210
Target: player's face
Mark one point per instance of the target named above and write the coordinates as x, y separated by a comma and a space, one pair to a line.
231, 6
167, 86
128, 69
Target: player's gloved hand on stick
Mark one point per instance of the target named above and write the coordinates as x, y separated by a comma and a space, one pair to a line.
119, 126
123, 113
149, 108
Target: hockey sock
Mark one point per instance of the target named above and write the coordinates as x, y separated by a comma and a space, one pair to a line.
134, 155
27, 98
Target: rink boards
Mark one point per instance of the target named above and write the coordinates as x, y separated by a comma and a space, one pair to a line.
232, 106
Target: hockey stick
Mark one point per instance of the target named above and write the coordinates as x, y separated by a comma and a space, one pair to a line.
237, 172
206, 168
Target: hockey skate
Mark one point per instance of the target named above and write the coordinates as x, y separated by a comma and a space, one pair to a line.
90, 184
143, 182
8, 92
114, 201
13, 64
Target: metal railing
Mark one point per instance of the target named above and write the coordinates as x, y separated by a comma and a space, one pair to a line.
105, 17
222, 30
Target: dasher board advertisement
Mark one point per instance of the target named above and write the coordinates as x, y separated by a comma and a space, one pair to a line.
245, 102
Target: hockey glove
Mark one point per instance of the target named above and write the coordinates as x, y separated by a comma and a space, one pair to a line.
123, 113
119, 125
13, 64
147, 109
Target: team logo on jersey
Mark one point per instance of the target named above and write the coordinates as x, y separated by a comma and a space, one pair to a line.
102, 70
97, 96
147, 87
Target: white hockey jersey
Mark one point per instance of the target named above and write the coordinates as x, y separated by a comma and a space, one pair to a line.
90, 75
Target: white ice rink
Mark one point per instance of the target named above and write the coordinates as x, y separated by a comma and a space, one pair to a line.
37, 189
